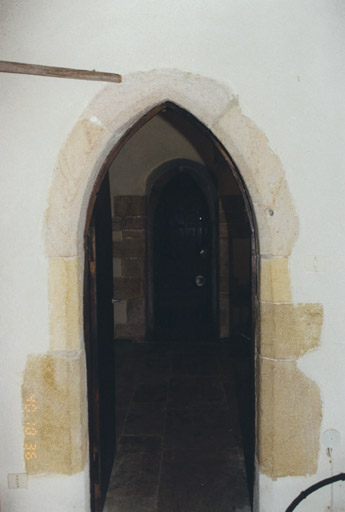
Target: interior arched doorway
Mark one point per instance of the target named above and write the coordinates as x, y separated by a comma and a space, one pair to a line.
178, 184
107, 124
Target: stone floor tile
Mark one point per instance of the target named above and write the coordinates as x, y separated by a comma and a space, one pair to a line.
201, 428
138, 443
160, 362
185, 413
152, 390
130, 504
193, 391
201, 482
147, 419
137, 467
195, 364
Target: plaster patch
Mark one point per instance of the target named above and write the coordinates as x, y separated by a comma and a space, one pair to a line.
289, 330
275, 280
59, 443
289, 420
65, 288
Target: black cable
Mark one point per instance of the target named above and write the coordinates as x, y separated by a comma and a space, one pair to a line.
313, 488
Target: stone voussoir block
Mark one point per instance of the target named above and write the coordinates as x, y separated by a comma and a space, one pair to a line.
275, 280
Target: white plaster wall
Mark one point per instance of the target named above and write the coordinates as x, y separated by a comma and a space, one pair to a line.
284, 59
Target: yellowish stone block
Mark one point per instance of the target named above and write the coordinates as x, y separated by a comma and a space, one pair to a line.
65, 298
288, 419
54, 414
289, 330
275, 280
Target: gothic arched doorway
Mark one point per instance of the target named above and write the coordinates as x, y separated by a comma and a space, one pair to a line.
109, 123
185, 223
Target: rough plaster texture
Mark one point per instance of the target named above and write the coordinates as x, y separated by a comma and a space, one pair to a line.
58, 411
289, 403
289, 408
288, 418
289, 330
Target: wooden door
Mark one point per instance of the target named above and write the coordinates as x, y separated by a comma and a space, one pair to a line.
182, 261
99, 335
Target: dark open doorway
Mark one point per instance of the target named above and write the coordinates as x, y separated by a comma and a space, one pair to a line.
203, 387
182, 211
182, 263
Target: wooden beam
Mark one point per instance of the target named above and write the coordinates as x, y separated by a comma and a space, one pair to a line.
76, 74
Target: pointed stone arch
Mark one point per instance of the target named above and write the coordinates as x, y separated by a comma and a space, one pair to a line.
118, 108
285, 330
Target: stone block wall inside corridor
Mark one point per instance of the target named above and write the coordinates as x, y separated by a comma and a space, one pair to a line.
130, 275
129, 233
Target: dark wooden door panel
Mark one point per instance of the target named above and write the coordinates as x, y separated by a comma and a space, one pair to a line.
182, 260
99, 335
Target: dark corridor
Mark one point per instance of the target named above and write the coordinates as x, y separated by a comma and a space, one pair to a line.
182, 424
184, 402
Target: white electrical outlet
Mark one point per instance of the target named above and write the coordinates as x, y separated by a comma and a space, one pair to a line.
17, 480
